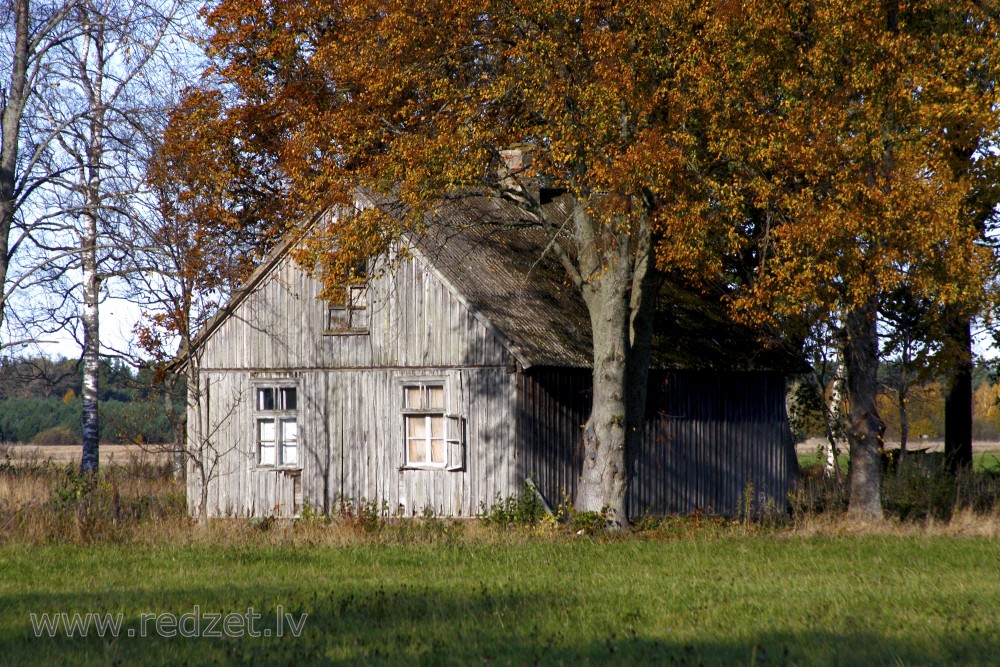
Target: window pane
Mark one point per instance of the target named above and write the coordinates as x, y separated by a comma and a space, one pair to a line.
289, 453
435, 398
265, 398
336, 318
416, 440
417, 427
338, 297
437, 450
359, 297
289, 430
265, 428
359, 319
267, 454
288, 398
437, 427
412, 398
418, 451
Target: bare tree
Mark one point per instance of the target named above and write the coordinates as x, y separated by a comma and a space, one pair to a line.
110, 75
31, 34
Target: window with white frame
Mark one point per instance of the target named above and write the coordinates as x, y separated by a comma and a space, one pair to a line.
432, 438
348, 312
276, 425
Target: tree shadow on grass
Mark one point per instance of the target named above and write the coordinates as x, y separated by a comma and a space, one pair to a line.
398, 624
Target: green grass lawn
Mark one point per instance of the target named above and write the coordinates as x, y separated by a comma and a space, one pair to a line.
764, 599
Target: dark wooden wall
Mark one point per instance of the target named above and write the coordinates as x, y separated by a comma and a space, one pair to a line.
710, 437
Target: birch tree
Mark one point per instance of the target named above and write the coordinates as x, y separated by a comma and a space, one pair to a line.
110, 77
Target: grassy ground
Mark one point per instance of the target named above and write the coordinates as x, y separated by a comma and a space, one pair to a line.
710, 598
921, 588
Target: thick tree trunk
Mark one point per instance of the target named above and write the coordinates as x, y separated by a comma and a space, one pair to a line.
865, 428
604, 478
620, 303
958, 395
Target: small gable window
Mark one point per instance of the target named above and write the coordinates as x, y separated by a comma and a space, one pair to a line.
348, 312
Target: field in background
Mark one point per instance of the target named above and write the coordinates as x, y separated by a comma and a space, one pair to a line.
69, 454
985, 453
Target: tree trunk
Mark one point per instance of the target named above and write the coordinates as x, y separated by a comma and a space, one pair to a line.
12, 102
197, 446
620, 303
903, 394
90, 217
178, 425
835, 421
904, 428
865, 428
958, 395
91, 343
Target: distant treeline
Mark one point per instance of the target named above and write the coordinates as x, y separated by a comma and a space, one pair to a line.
924, 401
40, 403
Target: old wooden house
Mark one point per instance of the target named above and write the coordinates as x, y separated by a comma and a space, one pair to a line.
447, 381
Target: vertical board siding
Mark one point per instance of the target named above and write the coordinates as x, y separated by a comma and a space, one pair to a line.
351, 445
708, 439
350, 398
414, 321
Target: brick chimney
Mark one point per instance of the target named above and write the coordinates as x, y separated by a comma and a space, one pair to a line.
515, 161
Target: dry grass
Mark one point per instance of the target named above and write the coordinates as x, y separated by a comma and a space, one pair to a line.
964, 523
110, 455
138, 502
43, 501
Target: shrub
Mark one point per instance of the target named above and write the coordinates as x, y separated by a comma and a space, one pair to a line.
523, 509
919, 490
57, 435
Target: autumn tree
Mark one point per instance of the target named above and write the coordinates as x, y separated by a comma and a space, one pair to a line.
411, 104
197, 243
795, 152
840, 136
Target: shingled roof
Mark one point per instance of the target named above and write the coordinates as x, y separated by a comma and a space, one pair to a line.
495, 259
499, 261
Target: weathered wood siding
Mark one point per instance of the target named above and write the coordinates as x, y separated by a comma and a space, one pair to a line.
350, 399
415, 321
709, 438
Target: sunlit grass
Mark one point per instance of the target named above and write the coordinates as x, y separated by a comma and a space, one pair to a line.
729, 599
695, 590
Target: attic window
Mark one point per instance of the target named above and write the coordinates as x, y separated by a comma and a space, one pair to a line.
349, 312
